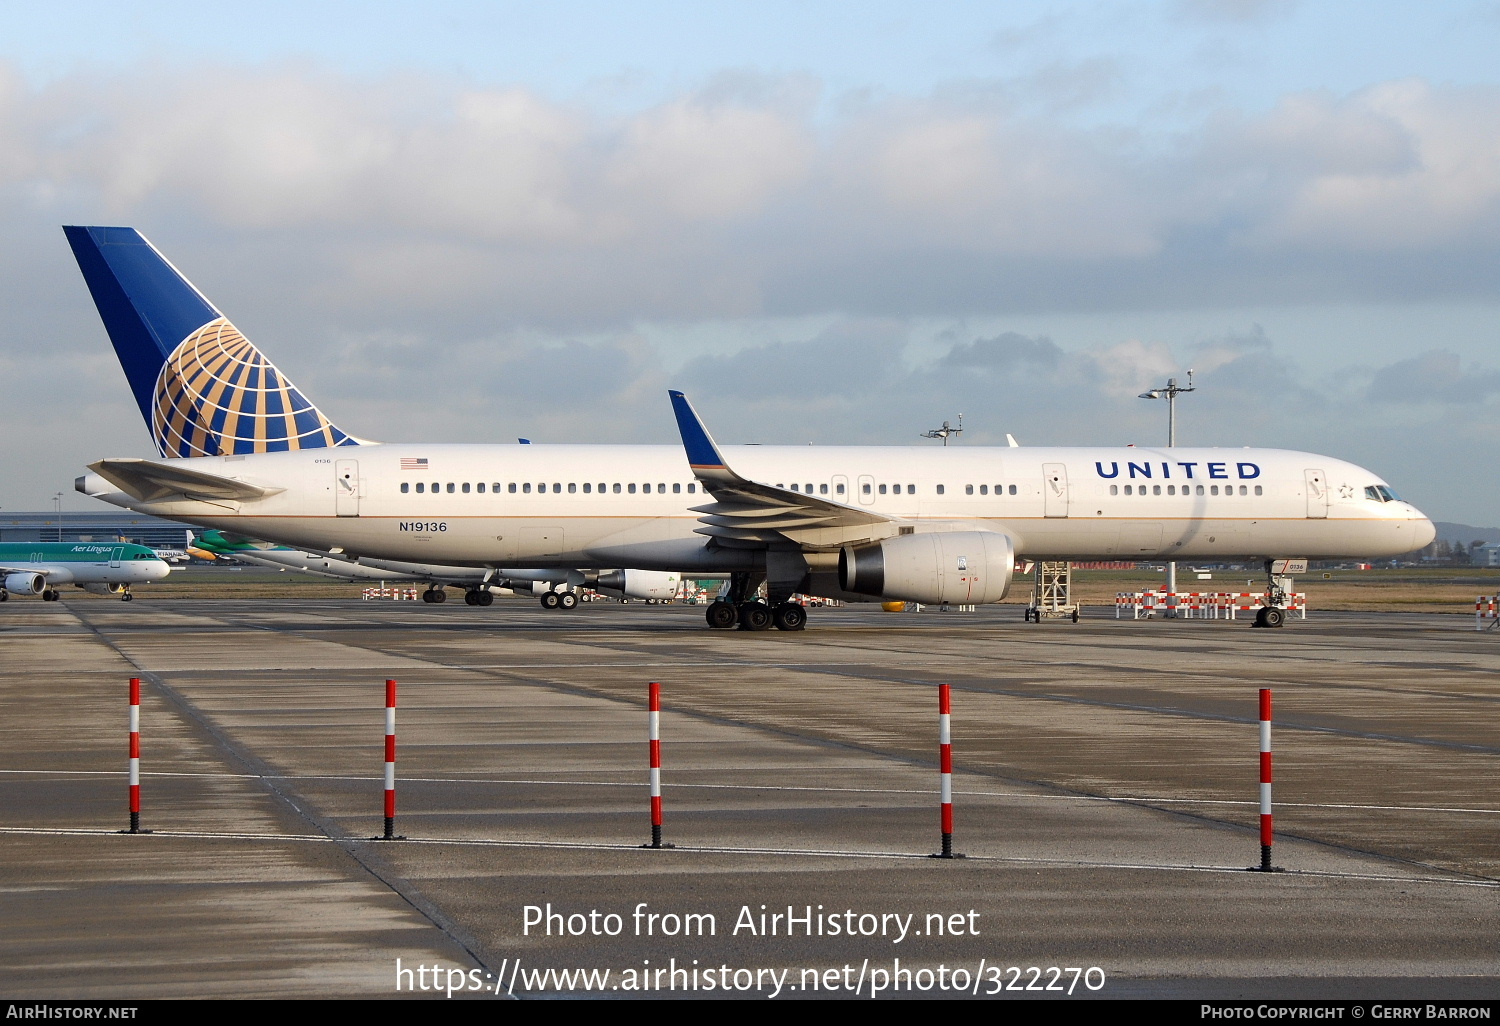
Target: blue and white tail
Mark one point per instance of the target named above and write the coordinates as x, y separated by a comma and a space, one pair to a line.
203, 389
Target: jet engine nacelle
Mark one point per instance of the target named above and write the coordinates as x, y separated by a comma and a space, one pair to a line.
26, 582
641, 584
963, 567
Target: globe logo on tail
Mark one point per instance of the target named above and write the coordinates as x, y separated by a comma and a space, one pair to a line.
218, 396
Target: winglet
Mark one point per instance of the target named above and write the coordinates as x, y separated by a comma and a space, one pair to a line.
702, 453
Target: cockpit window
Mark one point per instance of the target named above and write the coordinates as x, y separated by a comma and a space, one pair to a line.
1387, 494
1372, 494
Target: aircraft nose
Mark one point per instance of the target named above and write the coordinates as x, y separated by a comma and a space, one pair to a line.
1423, 532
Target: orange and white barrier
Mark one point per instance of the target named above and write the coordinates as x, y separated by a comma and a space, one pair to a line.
1206, 605
409, 594
1250, 601
1486, 607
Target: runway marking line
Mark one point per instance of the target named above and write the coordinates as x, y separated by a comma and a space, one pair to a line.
481, 842
778, 787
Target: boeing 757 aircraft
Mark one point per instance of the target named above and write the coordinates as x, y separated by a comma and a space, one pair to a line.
36, 568
243, 450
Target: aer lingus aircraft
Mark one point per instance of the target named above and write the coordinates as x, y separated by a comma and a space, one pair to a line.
38, 568
243, 450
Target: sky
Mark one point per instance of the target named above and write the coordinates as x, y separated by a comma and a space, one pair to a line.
827, 222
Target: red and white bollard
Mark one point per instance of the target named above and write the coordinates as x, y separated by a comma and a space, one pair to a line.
653, 735
135, 758
390, 764
945, 771
1267, 837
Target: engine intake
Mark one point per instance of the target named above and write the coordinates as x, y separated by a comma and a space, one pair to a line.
26, 583
963, 567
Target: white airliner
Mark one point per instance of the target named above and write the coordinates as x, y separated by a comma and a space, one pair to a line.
557, 589
109, 568
243, 450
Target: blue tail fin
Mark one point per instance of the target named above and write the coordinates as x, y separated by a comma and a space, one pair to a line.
203, 389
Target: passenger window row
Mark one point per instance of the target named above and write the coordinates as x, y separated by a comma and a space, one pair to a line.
556, 487
1172, 489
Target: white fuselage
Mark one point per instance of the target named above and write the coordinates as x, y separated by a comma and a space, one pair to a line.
630, 505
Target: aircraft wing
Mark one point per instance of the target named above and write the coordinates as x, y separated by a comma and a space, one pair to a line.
150, 481
748, 512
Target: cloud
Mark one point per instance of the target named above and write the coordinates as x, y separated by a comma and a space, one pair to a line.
741, 198
1006, 351
1436, 376
1401, 166
433, 259
1235, 11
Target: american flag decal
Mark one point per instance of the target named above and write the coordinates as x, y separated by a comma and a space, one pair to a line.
408, 463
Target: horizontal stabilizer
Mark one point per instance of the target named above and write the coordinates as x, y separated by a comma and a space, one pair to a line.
152, 482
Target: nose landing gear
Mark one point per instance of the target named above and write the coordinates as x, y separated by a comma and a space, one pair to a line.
1272, 612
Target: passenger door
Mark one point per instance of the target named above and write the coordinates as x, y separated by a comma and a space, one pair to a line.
1317, 494
1055, 489
346, 488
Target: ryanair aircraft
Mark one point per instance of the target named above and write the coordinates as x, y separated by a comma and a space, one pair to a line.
244, 450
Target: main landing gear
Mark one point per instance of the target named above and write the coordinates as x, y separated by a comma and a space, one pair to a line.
434, 594
564, 600
478, 597
739, 610
50, 596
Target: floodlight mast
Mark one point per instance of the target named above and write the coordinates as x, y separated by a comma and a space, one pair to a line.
946, 431
1170, 392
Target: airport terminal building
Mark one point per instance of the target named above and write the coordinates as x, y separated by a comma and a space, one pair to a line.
106, 525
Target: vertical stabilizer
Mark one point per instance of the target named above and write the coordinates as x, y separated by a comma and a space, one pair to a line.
203, 389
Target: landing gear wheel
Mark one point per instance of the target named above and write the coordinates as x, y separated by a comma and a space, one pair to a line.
789, 616
4, 596
440, 594
1260, 617
721, 616
471, 598
567, 600
549, 599
1275, 617
755, 616
127, 597
484, 598
49, 595
427, 595
1075, 616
